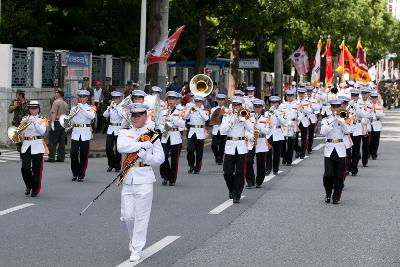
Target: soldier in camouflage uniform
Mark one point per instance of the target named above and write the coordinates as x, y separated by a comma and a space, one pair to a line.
19, 106
106, 94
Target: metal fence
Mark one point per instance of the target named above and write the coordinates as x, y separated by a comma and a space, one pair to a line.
51, 69
22, 67
98, 69
118, 70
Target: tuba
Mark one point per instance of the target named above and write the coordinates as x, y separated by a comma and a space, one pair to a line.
201, 84
15, 133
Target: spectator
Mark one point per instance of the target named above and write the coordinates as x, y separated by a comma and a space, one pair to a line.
174, 86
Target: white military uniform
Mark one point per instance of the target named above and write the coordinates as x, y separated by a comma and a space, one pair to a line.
174, 120
137, 190
276, 121
334, 129
376, 115
197, 122
36, 129
115, 114
235, 129
264, 132
82, 123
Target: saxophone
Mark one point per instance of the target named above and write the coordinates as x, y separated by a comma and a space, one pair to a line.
256, 132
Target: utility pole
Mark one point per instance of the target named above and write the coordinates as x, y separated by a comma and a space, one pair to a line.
142, 61
162, 66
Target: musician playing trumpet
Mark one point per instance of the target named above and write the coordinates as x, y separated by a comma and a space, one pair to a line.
114, 113
376, 116
218, 137
235, 124
81, 135
196, 118
33, 148
334, 128
303, 111
171, 140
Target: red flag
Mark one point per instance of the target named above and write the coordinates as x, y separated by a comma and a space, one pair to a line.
328, 68
361, 65
346, 62
163, 50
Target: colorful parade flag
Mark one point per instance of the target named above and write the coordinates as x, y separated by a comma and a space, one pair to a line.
300, 61
328, 62
163, 50
361, 65
316, 71
346, 62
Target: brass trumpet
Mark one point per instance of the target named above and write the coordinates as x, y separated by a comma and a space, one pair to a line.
343, 113
244, 113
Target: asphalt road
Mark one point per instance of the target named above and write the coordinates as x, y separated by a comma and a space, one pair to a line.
285, 223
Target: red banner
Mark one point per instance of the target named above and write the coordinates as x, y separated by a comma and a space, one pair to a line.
328, 68
361, 65
346, 62
163, 50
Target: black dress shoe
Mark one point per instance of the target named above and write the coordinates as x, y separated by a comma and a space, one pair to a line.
275, 172
164, 182
310, 152
80, 178
284, 161
171, 184
196, 172
60, 160
353, 174
297, 155
327, 200
301, 157
249, 186
236, 200
50, 160
365, 165
335, 201
74, 178
230, 196
374, 157
289, 164
191, 169
34, 193
109, 169
220, 163
27, 191
267, 173
258, 186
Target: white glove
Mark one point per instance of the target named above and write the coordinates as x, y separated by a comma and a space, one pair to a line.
52, 126
146, 145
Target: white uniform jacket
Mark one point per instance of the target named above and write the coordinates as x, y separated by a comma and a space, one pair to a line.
376, 115
83, 120
276, 121
216, 128
36, 129
128, 143
315, 109
235, 129
262, 124
197, 121
362, 119
114, 113
334, 129
174, 120
303, 111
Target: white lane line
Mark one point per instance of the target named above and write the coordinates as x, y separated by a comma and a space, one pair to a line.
223, 206
297, 161
9, 156
270, 176
2, 161
150, 251
4, 212
318, 147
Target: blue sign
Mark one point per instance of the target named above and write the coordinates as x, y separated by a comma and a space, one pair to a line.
76, 59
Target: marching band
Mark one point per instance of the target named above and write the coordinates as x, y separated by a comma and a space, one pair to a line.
243, 132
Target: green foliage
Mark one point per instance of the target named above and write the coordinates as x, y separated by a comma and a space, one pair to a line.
112, 26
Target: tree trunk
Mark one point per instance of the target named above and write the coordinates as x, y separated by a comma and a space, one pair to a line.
278, 67
154, 36
257, 72
201, 41
234, 61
